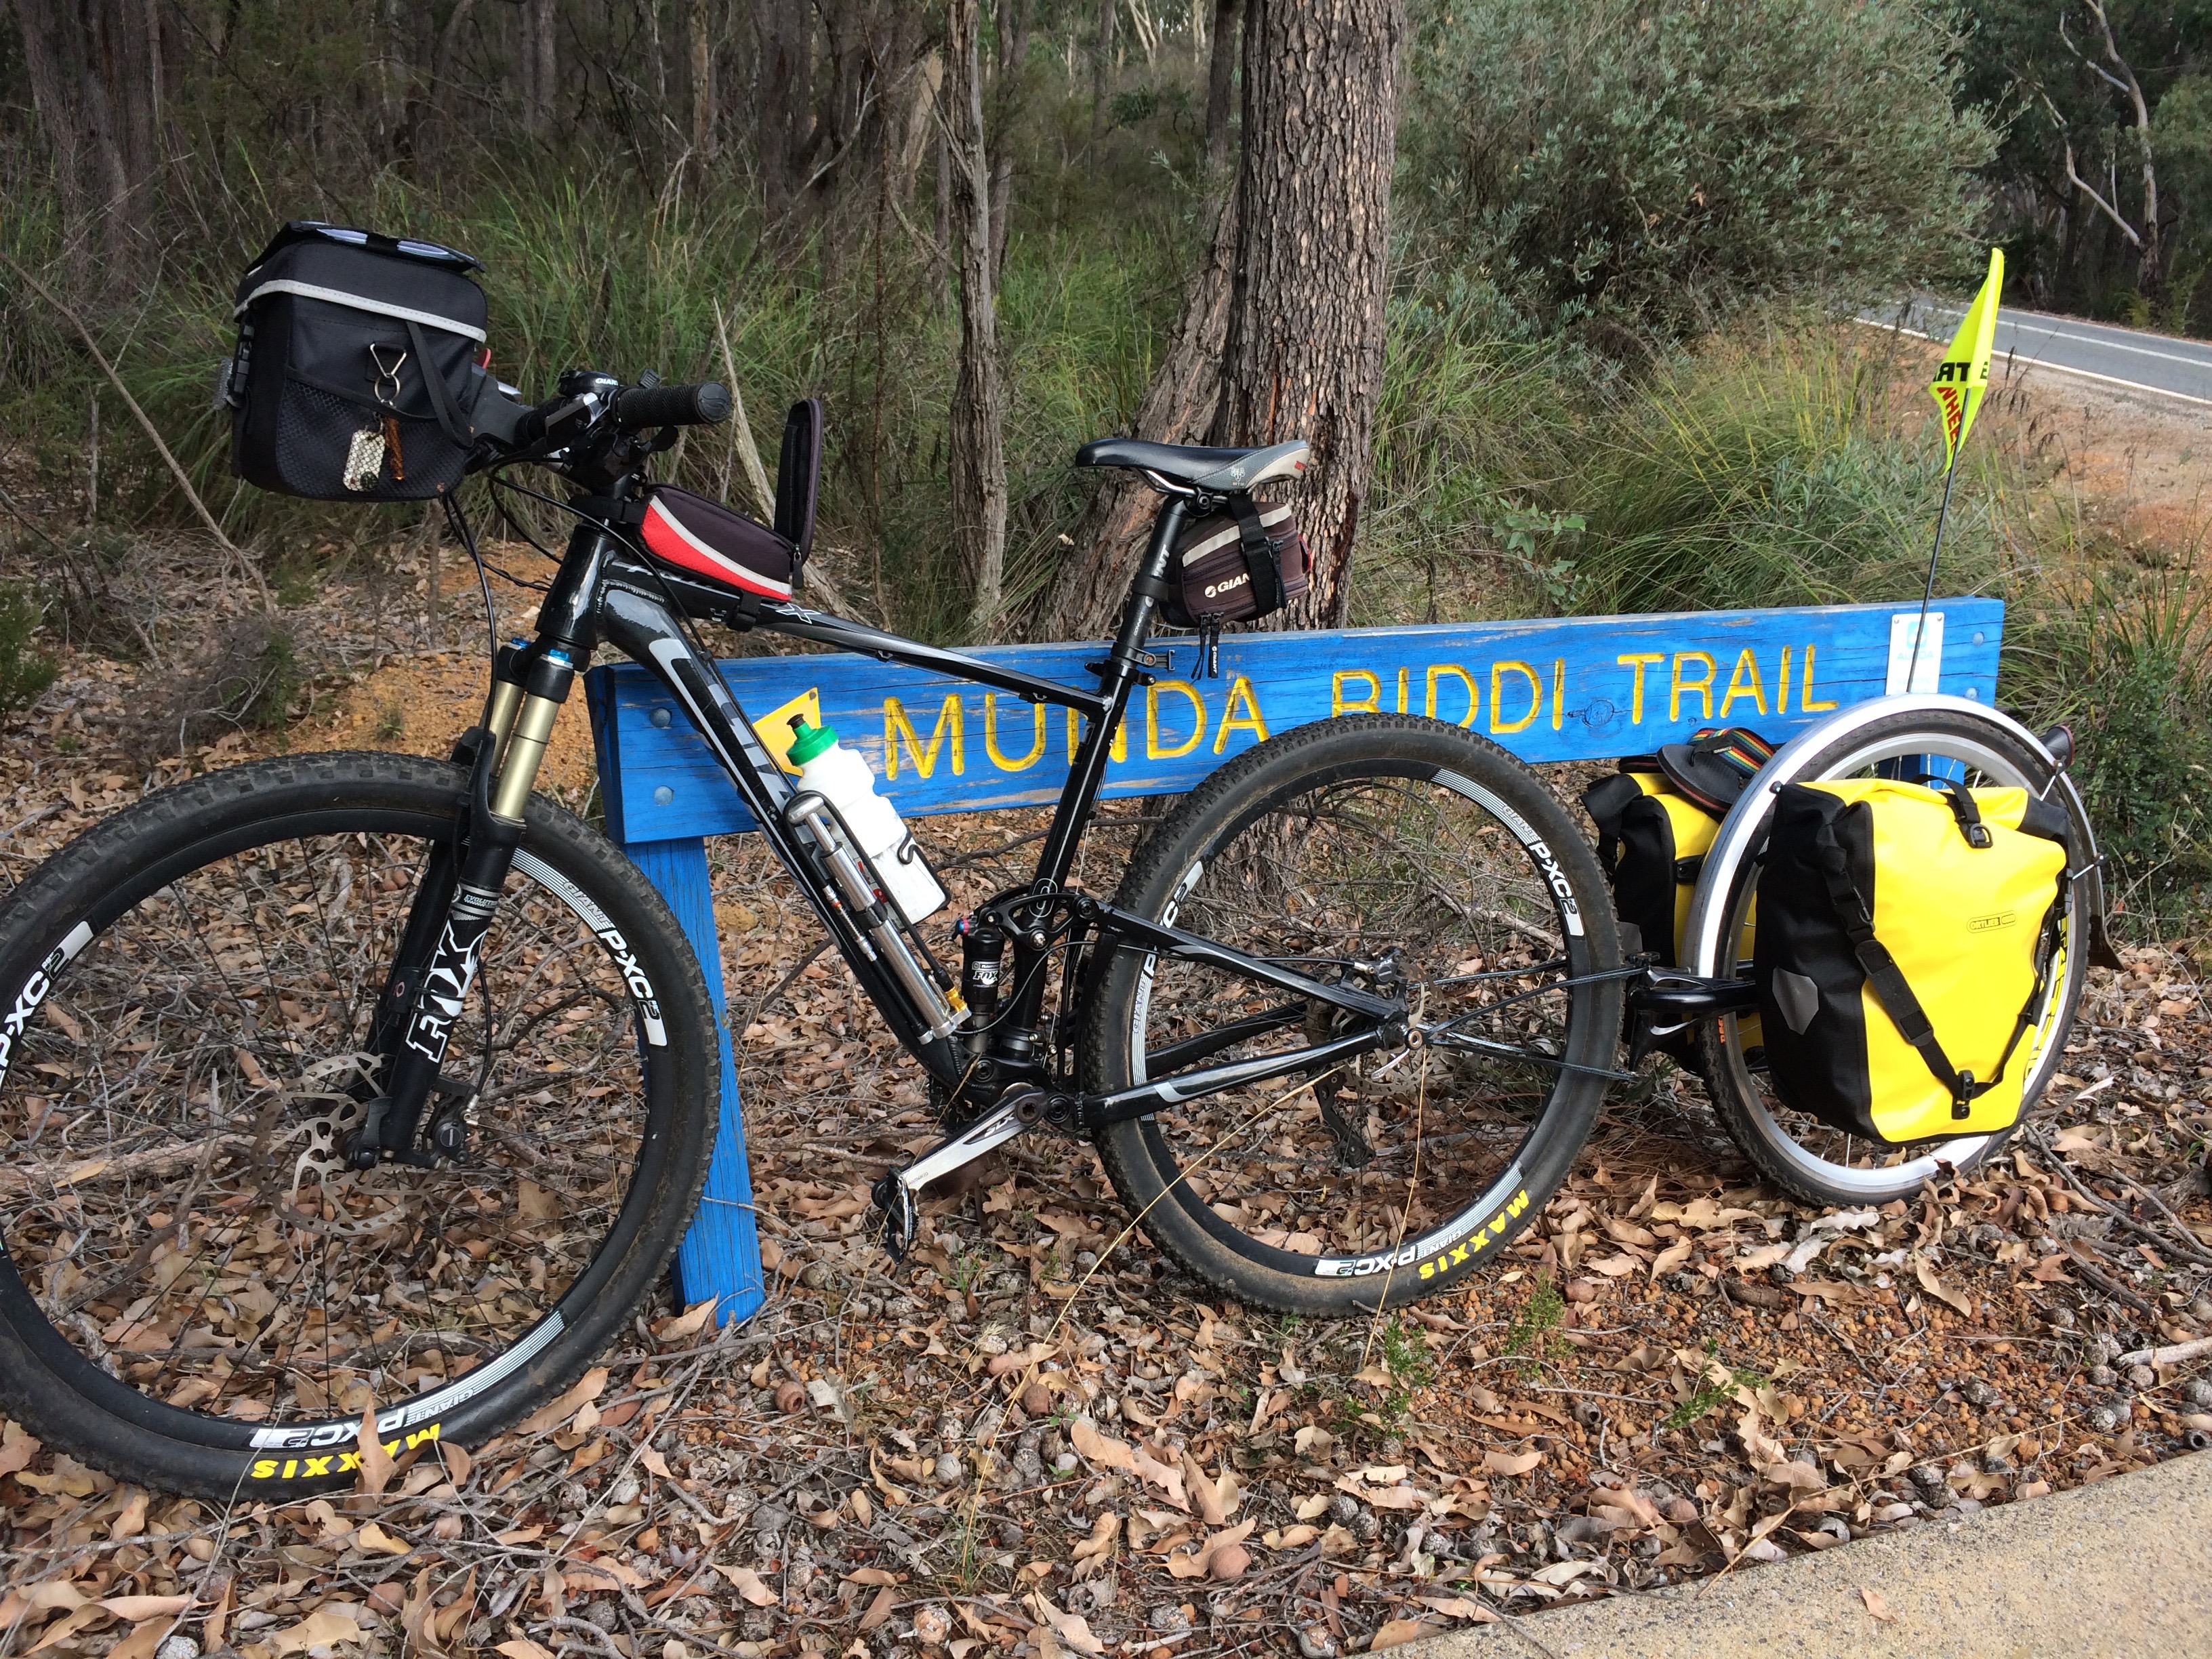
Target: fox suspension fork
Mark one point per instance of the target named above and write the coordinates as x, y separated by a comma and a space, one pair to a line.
427, 991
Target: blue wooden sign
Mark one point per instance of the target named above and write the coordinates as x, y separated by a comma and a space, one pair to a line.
1580, 688
1590, 688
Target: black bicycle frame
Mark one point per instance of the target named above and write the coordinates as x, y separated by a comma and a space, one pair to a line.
607, 591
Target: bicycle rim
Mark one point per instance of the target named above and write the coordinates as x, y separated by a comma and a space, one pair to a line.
178, 1205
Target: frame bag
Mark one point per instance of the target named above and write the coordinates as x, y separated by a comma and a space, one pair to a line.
1237, 565
359, 361
703, 538
1906, 937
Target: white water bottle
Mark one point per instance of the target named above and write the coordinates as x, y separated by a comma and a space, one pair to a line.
843, 778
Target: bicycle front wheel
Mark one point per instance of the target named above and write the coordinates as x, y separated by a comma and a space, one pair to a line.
1411, 858
198, 1293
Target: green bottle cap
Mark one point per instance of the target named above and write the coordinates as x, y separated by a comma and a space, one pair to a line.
808, 741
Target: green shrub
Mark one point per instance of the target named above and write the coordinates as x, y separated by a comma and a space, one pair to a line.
2125, 665
25, 670
1663, 163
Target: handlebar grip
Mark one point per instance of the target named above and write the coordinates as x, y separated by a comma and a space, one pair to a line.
706, 403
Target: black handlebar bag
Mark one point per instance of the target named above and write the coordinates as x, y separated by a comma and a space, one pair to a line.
358, 364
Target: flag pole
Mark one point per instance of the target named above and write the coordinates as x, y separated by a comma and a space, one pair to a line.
1928, 593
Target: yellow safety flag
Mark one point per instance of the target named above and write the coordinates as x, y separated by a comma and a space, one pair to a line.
1964, 374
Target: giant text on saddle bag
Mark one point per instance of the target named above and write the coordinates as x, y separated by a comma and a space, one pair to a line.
1907, 937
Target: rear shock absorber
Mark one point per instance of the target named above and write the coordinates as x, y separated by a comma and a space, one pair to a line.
982, 958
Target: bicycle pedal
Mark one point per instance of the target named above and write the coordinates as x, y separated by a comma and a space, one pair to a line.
901, 1218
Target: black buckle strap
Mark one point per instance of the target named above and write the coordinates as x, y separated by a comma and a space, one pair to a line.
441, 396
1262, 558
1890, 986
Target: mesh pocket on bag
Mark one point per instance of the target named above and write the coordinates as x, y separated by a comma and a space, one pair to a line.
334, 449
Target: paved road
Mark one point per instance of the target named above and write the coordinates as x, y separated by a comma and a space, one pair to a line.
2123, 1568
2158, 363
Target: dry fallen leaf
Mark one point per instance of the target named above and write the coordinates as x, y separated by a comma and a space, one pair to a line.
523, 1648
880, 1608
1094, 1555
1935, 1287
1097, 1448
1396, 1633
560, 1411
747, 1584
1506, 1462
318, 1629
135, 1607
677, 1326
375, 1461
1877, 1606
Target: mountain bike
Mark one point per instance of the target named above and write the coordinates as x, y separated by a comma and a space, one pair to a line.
347, 1083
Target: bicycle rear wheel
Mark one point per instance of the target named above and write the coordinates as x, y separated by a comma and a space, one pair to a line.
1799, 1153
197, 1292
1336, 849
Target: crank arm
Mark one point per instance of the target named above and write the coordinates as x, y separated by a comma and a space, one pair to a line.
898, 1194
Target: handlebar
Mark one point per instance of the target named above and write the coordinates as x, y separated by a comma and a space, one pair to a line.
706, 403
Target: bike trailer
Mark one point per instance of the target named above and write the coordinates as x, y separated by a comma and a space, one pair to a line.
359, 361
1906, 936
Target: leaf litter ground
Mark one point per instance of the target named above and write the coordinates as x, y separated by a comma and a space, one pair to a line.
1040, 1439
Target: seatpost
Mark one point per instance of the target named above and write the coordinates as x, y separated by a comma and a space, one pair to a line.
1123, 669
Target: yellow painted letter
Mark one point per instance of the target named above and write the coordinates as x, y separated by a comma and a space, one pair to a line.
1474, 697
948, 719
1240, 690
1340, 704
1152, 749
1635, 696
1805, 703
1558, 692
991, 735
1498, 670
1678, 685
1740, 686
1781, 684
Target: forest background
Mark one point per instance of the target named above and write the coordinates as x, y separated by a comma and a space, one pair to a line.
1613, 246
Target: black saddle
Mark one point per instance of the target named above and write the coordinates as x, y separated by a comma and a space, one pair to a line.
1217, 472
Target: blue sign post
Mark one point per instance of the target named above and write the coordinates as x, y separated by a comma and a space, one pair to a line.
1579, 689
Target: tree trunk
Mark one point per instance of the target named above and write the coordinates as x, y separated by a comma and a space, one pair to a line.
1178, 408
1304, 356
92, 70
979, 398
1102, 67
784, 101
1014, 32
702, 79
1220, 81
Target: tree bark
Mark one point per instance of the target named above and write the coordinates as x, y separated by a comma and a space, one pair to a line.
1177, 409
91, 66
979, 398
702, 78
784, 101
1303, 355
1102, 67
1220, 80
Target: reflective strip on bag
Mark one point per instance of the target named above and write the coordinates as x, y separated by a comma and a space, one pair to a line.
339, 296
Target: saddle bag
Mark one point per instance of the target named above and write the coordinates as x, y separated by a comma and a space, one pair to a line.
358, 365
1237, 565
1905, 938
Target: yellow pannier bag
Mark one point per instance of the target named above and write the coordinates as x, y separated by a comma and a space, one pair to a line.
1905, 938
